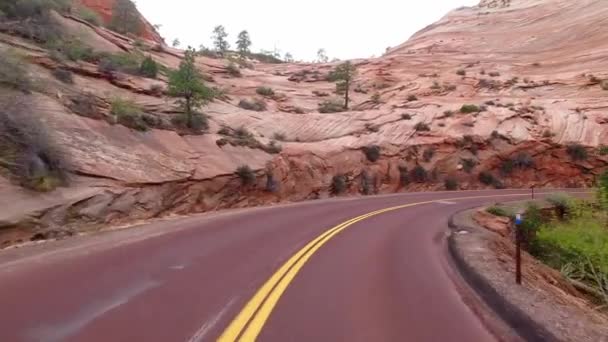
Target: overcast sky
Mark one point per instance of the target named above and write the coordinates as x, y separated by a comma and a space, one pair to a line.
346, 29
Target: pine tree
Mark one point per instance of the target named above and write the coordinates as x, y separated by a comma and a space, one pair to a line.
187, 84
219, 39
322, 56
243, 43
344, 75
125, 18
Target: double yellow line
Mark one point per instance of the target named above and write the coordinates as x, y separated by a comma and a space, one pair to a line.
249, 322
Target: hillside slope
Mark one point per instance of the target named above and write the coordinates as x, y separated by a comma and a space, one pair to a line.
533, 67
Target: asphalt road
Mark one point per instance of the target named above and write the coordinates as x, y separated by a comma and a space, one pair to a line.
315, 271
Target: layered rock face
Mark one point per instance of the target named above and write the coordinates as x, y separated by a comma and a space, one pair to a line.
527, 72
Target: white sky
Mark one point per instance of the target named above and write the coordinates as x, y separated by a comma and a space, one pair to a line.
346, 29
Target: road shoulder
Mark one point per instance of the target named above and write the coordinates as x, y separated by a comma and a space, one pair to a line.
538, 310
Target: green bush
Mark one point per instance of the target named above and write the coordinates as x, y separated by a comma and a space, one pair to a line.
256, 105
469, 108
562, 203
246, 174
121, 62
577, 152
338, 184
419, 174
13, 72
372, 153
273, 147
63, 75
331, 106
486, 178
451, 184
603, 150
406, 116
265, 91
499, 211
279, 136
74, 50
125, 18
468, 165
32, 19
461, 72
422, 127
128, 114
148, 68
199, 122
412, 98
88, 15
579, 240
27, 151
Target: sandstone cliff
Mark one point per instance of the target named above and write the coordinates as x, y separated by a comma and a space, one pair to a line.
532, 67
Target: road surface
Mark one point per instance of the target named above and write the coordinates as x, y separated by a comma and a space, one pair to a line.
361, 269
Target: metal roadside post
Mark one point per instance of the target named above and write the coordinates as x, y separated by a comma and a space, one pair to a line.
532, 191
518, 222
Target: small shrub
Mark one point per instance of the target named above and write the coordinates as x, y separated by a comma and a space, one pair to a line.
279, 136
404, 176
128, 114
338, 184
468, 165
419, 174
86, 105
320, 93
428, 154
494, 74
372, 153
406, 116
234, 70
451, 184
88, 15
488, 179
562, 202
27, 151
273, 147
246, 174
498, 211
469, 108
577, 152
422, 127
63, 75
13, 72
490, 103
265, 91
448, 113
376, 98
603, 150
74, 50
461, 72
256, 105
121, 62
435, 85
148, 68
412, 98
331, 106
198, 123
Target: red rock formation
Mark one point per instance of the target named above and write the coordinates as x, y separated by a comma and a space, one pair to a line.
104, 9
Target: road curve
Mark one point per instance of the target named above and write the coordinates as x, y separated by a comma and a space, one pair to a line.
358, 269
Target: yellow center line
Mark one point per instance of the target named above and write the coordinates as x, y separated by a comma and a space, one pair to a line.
250, 321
